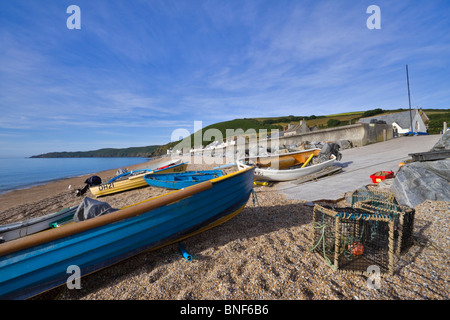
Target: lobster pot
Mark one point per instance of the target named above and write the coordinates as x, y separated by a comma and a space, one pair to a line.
384, 203
364, 194
403, 220
353, 239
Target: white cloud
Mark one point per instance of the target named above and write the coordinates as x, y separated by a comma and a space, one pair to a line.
150, 68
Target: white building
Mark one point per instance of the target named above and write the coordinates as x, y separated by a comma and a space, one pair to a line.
401, 121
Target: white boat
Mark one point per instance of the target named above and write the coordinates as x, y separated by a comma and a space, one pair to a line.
286, 166
20, 229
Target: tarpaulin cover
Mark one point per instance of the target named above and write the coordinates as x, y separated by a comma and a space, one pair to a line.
426, 180
90, 208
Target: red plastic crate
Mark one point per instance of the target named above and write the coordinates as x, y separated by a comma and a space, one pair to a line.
381, 175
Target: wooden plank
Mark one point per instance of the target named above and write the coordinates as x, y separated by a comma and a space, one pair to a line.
314, 176
431, 155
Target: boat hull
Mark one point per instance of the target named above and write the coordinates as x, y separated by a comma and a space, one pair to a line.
131, 183
279, 175
180, 180
159, 221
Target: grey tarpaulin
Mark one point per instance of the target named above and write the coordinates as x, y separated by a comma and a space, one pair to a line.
443, 143
420, 181
121, 171
427, 180
90, 208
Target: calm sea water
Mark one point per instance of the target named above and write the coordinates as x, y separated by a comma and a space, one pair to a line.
19, 173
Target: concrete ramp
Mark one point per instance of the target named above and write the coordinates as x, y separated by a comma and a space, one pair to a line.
357, 165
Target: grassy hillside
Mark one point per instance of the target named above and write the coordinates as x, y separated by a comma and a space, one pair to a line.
437, 118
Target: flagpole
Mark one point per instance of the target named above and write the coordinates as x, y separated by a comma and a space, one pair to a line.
409, 98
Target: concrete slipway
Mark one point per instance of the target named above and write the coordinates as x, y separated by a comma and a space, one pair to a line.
358, 164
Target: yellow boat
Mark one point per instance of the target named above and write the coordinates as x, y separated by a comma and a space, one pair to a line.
133, 181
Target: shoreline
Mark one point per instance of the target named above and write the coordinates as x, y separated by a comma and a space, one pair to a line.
40, 191
41, 183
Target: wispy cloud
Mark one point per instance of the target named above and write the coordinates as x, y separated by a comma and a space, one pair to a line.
138, 72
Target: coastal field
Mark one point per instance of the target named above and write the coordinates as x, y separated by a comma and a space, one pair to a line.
263, 253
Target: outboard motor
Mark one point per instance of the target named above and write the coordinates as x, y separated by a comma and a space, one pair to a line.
90, 182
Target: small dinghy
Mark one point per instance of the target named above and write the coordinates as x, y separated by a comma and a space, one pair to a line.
286, 166
20, 229
180, 180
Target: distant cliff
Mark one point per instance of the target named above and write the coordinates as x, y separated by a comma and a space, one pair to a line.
142, 152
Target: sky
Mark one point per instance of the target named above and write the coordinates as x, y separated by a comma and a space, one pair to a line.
136, 71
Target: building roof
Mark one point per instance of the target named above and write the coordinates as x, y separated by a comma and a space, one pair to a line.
301, 127
401, 118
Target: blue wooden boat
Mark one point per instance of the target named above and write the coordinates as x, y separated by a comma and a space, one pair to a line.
180, 180
39, 262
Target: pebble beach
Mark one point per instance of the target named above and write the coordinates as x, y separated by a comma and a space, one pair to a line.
261, 254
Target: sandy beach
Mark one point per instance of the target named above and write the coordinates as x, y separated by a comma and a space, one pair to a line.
261, 254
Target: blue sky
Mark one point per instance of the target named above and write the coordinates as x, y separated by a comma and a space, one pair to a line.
138, 70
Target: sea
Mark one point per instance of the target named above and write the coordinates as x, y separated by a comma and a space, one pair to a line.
22, 173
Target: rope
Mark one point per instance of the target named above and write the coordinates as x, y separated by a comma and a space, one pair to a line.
322, 227
363, 216
424, 242
255, 198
